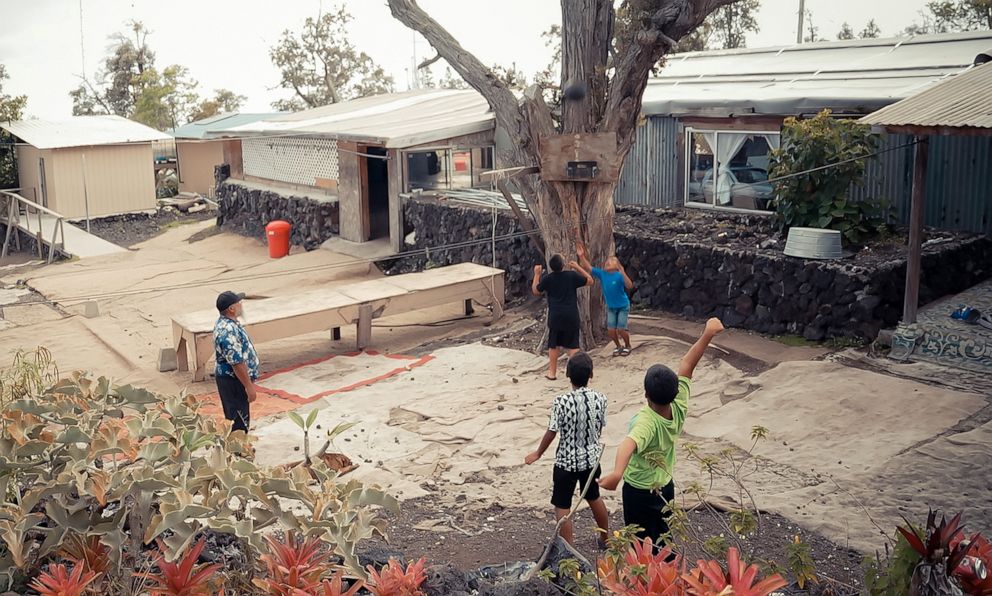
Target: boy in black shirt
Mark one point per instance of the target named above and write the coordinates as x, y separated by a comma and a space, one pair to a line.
563, 307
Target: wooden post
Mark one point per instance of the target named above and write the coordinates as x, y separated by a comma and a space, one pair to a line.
915, 254
364, 326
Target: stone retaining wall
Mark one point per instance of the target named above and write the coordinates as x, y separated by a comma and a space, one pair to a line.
763, 291
246, 210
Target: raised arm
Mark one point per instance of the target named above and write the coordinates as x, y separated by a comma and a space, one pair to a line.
536, 281
578, 269
695, 353
583, 254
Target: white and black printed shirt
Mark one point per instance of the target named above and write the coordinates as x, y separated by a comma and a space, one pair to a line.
578, 417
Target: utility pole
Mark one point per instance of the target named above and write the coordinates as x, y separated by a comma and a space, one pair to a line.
802, 15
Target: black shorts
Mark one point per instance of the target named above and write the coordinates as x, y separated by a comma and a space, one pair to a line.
564, 483
234, 399
646, 509
563, 332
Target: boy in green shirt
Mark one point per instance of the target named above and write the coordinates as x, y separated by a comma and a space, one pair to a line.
646, 457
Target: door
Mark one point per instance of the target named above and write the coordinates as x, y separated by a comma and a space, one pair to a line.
43, 182
377, 187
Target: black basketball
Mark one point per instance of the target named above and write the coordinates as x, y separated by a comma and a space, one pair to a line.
575, 92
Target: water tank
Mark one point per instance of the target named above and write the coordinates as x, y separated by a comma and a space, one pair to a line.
813, 243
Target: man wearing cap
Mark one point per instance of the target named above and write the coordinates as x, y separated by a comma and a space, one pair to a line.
237, 362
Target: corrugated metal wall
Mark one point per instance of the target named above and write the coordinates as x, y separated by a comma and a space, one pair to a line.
119, 179
959, 181
651, 172
959, 184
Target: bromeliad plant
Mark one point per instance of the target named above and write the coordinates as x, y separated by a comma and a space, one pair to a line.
81, 456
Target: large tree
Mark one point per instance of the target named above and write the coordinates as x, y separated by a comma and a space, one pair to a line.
130, 85
224, 101
321, 65
11, 109
613, 63
731, 24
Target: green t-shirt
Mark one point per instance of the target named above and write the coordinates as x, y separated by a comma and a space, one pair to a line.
655, 437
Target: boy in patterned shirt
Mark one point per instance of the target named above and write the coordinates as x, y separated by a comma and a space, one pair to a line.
646, 457
579, 417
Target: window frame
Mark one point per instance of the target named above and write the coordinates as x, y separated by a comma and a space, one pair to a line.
448, 152
687, 133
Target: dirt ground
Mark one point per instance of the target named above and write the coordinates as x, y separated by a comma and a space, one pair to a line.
851, 442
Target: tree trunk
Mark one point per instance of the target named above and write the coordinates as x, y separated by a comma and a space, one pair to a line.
567, 212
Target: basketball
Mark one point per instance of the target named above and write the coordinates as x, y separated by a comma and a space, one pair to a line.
575, 92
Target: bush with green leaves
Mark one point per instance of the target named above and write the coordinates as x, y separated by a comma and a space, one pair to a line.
819, 198
82, 457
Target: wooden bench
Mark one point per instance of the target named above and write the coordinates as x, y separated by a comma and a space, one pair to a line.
332, 308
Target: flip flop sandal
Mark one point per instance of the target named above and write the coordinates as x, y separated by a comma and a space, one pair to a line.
550, 378
625, 352
967, 314
617, 352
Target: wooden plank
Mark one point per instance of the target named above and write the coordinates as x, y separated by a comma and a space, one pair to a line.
911, 298
364, 209
394, 173
349, 191
558, 150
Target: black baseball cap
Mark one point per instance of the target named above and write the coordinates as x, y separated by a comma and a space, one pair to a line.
226, 299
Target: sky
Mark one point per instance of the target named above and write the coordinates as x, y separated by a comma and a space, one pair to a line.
45, 45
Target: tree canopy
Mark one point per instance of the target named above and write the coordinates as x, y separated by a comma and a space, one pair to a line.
321, 65
950, 16
130, 85
11, 109
224, 101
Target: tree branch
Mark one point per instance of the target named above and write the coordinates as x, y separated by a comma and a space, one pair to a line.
428, 62
472, 70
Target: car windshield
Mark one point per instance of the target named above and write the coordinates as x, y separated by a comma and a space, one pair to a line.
751, 175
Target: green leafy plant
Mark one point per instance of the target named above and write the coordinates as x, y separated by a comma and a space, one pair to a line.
395, 579
799, 557
811, 195
305, 425
296, 563
708, 578
890, 575
185, 577
84, 457
58, 581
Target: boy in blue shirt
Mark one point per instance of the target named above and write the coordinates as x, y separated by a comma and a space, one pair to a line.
615, 284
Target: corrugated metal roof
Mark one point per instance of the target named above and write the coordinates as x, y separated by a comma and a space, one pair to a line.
964, 101
852, 76
82, 131
395, 120
218, 123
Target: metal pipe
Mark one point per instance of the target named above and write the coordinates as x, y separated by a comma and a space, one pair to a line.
802, 15
86, 197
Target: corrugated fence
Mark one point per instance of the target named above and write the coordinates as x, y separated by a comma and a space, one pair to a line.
959, 181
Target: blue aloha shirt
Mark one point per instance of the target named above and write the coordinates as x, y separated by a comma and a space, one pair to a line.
233, 346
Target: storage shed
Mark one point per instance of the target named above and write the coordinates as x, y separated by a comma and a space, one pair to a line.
87, 166
198, 155
362, 154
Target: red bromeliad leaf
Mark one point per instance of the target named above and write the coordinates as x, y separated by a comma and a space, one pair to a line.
57, 581
914, 540
183, 578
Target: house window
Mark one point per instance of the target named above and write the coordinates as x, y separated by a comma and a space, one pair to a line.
729, 169
446, 169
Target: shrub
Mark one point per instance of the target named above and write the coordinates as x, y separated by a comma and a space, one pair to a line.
397, 580
81, 456
293, 564
57, 581
184, 578
819, 199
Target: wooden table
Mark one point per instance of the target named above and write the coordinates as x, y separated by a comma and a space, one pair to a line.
332, 308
